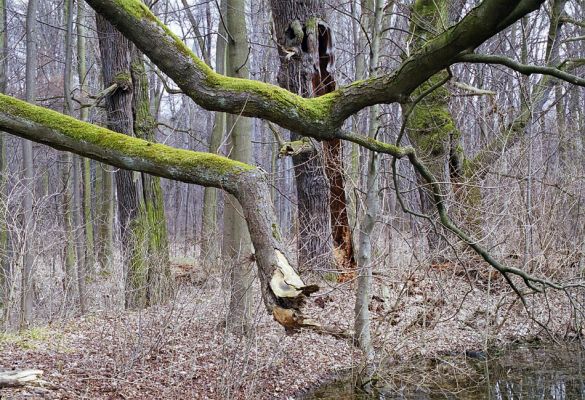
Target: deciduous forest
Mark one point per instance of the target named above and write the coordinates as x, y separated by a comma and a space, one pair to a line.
240, 199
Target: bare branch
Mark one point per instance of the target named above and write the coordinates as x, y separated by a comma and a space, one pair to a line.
525, 69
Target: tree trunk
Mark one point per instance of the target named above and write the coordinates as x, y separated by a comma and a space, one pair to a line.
5, 273
85, 163
116, 69
373, 11
209, 234
299, 30
28, 172
104, 215
72, 210
237, 244
431, 127
153, 251
283, 291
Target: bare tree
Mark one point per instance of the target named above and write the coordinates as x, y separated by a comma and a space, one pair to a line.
28, 172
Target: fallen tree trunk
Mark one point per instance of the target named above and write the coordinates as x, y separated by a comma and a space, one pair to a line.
21, 378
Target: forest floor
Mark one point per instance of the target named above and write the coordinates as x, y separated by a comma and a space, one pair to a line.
182, 350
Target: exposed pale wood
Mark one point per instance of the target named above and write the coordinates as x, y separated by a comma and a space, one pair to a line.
21, 378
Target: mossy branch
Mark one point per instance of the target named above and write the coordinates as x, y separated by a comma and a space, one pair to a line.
319, 117
65, 133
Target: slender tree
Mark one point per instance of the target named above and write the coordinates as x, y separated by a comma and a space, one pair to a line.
237, 245
373, 11
82, 74
28, 171
74, 247
5, 272
210, 218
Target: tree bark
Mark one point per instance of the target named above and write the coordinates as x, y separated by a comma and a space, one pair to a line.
237, 245
72, 210
297, 33
127, 109
28, 172
88, 223
362, 317
5, 270
152, 250
209, 231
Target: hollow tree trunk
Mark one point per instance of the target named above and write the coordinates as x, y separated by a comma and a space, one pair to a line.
306, 63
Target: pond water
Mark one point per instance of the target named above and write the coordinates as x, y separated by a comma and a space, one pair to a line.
519, 373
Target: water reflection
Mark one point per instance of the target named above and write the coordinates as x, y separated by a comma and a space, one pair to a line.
522, 373
554, 373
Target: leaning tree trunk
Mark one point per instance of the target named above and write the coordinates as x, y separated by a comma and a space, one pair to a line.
306, 63
283, 291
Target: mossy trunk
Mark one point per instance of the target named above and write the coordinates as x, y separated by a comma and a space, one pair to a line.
142, 222
283, 290
431, 127
153, 251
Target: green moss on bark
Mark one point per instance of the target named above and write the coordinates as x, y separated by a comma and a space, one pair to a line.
109, 140
431, 124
